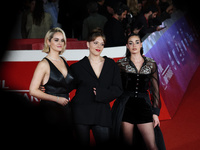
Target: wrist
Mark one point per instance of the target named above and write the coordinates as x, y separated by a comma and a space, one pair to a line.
56, 99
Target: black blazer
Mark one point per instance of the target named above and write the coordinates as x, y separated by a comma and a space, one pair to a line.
88, 108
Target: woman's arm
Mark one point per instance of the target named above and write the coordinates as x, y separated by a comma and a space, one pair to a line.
155, 93
155, 98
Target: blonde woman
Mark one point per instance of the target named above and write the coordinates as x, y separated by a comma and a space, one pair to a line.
53, 73
134, 6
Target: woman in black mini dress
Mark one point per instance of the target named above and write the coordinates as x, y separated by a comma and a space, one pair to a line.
54, 74
135, 107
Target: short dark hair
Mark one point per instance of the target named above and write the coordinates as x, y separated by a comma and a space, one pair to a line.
119, 8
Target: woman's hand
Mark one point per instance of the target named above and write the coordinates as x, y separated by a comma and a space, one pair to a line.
42, 88
94, 90
156, 121
62, 101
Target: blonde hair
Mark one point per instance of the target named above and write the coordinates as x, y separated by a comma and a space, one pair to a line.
49, 35
133, 6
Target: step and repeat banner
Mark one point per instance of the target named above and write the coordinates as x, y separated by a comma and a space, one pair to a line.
175, 49
177, 54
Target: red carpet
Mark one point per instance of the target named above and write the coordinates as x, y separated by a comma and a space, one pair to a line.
182, 132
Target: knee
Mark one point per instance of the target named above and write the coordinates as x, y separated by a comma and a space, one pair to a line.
152, 146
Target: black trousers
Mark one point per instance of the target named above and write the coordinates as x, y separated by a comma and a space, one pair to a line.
101, 134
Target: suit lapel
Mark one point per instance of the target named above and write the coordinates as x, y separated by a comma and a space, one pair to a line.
106, 67
86, 65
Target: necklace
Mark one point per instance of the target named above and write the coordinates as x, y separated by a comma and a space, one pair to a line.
58, 59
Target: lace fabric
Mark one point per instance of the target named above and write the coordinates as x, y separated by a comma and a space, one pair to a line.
147, 79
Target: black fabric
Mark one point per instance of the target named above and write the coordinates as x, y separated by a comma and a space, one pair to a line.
57, 84
137, 111
101, 134
56, 117
142, 81
115, 33
90, 109
134, 104
118, 111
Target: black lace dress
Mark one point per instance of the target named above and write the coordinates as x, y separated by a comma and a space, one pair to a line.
137, 86
135, 104
140, 99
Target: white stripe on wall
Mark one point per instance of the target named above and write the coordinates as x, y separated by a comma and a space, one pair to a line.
71, 55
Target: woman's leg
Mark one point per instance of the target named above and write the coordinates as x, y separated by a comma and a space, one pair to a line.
147, 132
127, 133
101, 135
83, 134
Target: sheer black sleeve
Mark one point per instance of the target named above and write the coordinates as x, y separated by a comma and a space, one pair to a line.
154, 89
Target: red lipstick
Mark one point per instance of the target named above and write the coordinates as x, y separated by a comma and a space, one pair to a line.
98, 50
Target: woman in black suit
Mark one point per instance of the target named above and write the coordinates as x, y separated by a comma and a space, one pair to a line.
98, 83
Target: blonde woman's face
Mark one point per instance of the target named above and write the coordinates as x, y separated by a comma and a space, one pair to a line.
57, 43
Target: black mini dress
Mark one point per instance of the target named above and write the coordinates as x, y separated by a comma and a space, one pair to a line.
138, 107
57, 85
141, 91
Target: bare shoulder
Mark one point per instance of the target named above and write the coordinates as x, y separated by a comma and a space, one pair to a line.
43, 65
41, 70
